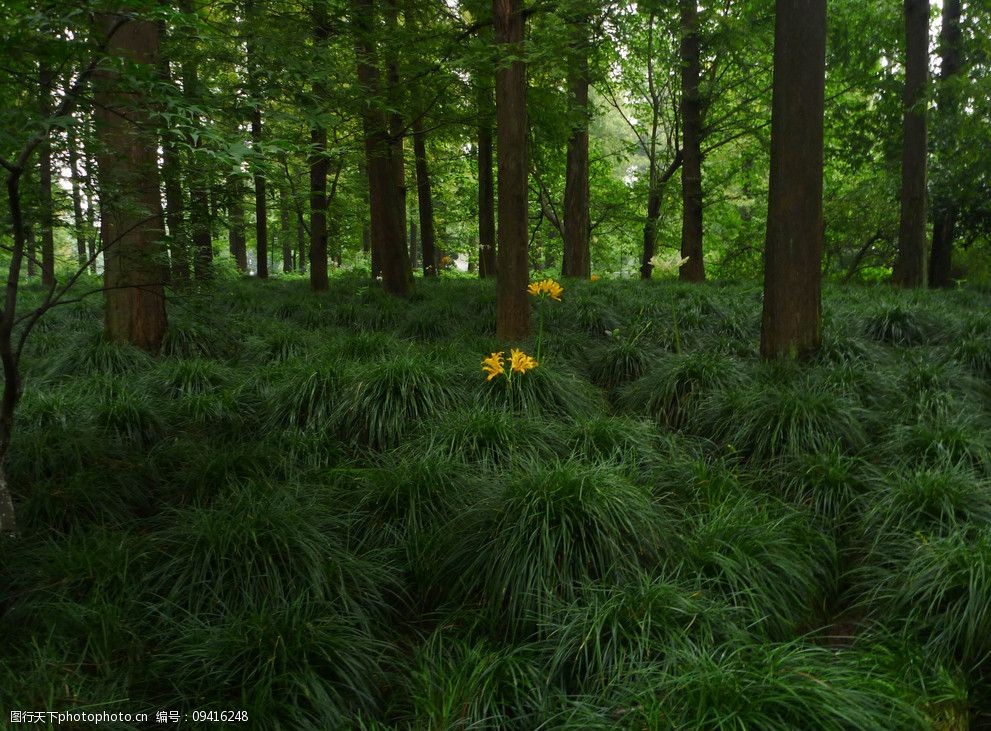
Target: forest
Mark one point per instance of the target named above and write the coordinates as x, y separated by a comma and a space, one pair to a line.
524, 364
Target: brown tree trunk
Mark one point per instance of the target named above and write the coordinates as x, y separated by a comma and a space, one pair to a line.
131, 206
32, 250
47, 80
691, 123
386, 206
910, 263
512, 304
396, 127
319, 165
486, 189
944, 208
78, 221
175, 206
654, 198
236, 231
791, 323
285, 234
424, 201
261, 203
576, 261
91, 202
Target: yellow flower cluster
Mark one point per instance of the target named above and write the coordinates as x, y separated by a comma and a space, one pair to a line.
594, 278
519, 362
545, 288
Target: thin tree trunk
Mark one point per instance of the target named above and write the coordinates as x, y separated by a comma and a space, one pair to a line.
32, 249
692, 270
175, 206
319, 165
91, 200
425, 204
386, 205
910, 263
512, 304
577, 225
131, 205
47, 80
285, 234
486, 189
791, 322
236, 232
78, 221
261, 203
944, 207
301, 240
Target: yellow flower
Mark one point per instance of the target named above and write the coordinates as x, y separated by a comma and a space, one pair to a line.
546, 287
594, 278
520, 362
493, 366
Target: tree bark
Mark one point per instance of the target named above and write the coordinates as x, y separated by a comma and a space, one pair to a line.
944, 207
576, 261
175, 205
486, 189
692, 270
236, 231
424, 200
78, 221
285, 234
131, 206
47, 80
910, 263
386, 207
512, 304
261, 203
319, 165
791, 322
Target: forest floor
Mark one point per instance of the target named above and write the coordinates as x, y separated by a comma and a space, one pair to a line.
316, 510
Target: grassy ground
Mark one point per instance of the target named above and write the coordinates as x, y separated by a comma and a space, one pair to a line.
316, 510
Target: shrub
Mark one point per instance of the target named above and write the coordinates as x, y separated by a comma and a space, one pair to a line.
676, 387
619, 361
548, 390
381, 403
763, 557
897, 325
549, 529
307, 396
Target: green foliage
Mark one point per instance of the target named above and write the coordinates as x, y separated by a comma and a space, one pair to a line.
545, 530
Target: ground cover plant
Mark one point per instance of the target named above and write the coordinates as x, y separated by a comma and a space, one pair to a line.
335, 527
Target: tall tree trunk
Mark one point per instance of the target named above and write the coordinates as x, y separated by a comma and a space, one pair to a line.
387, 210
910, 263
944, 207
396, 126
654, 198
285, 234
691, 124
91, 199
512, 304
175, 206
130, 202
32, 250
78, 221
424, 199
254, 85
486, 188
47, 79
414, 243
301, 240
791, 322
319, 165
366, 227
576, 261
236, 231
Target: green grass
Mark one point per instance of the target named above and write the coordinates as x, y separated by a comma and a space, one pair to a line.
316, 509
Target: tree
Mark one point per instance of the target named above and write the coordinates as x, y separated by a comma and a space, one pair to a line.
319, 164
387, 210
46, 78
254, 86
910, 263
131, 223
944, 208
693, 270
791, 321
512, 305
576, 261
424, 198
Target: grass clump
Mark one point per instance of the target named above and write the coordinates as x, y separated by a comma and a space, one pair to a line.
548, 529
